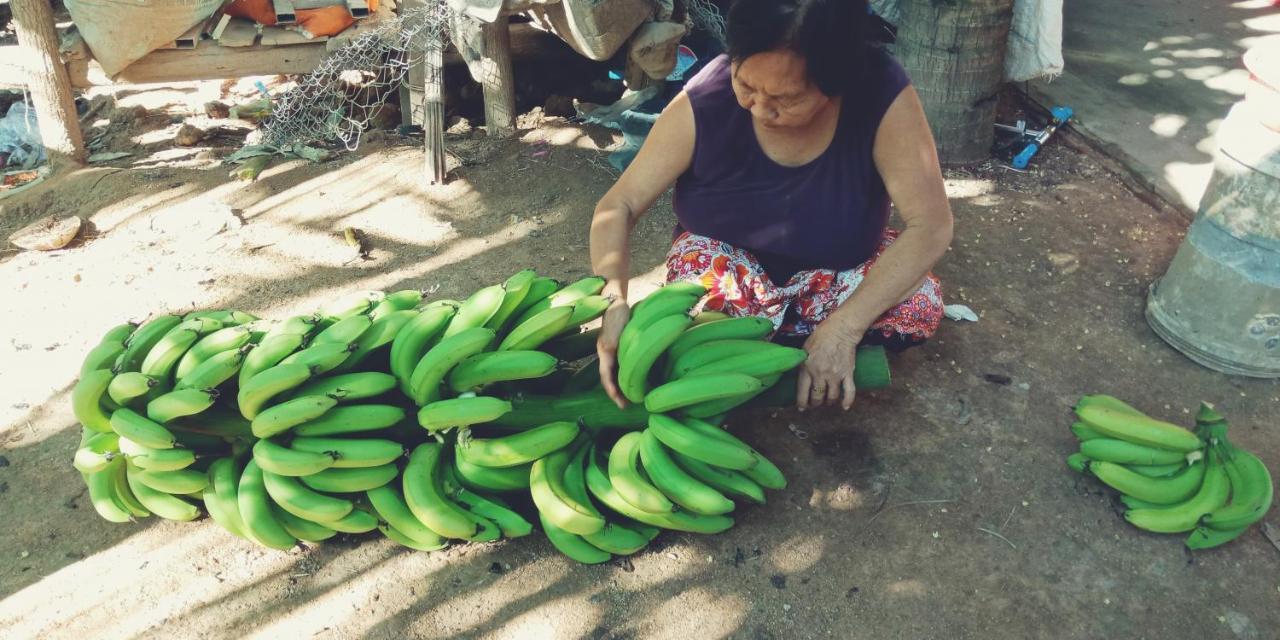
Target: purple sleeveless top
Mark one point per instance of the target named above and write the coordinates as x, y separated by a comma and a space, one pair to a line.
827, 214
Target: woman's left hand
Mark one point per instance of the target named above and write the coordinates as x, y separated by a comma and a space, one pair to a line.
826, 377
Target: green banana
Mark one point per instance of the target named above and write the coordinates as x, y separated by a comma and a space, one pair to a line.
519, 448
268, 384
411, 342
268, 354
86, 400
260, 524
630, 481
296, 325
484, 369
358, 521
349, 386
509, 523
761, 364
218, 422
540, 289
402, 300
102, 493
753, 328
695, 443
546, 486
476, 310
424, 383
390, 505
278, 459
721, 407
1212, 496
461, 412
635, 365
1084, 432
228, 317
646, 313
182, 481
530, 333
143, 339
676, 483
156, 459
1109, 402
124, 494
571, 545
226, 339
300, 500
345, 331
220, 496
213, 371
351, 479
1078, 463
726, 481
119, 333
589, 308
160, 503
1157, 470
129, 386
1164, 491
321, 357
352, 453
403, 539
1208, 538
96, 452
562, 297
694, 390
136, 427
301, 528
349, 305
713, 351
602, 489
289, 414
592, 409
1125, 452
102, 356
162, 358
380, 334
615, 537
491, 478
1137, 428
573, 346
352, 419
515, 290
180, 403
426, 498
1251, 493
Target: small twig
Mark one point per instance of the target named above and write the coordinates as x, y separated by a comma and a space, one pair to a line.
1006, 520
1015, 547
902, 504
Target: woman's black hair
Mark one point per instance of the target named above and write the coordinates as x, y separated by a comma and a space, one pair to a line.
831, 35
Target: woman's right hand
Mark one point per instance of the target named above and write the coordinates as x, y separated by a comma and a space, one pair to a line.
615, 319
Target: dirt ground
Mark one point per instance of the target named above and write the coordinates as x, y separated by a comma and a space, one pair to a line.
940, 508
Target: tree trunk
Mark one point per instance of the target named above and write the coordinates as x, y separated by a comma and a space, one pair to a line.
48, 81
954, 52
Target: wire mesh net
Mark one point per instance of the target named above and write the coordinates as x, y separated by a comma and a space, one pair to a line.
336, 102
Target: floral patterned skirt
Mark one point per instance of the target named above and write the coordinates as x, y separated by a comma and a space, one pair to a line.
738, 286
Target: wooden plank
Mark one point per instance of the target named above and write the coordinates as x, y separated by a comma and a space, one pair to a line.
498, 81
209, 62
240, 33
284, 12
48, 82
224, 21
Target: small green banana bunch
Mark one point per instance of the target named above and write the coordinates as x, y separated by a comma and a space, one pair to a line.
1172, 480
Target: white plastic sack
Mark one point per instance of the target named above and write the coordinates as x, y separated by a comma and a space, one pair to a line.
20, 137
1035, 40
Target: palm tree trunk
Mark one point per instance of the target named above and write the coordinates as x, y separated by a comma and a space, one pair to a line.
954, 53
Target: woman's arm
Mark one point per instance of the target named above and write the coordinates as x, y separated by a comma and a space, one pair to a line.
907, 160
667, 152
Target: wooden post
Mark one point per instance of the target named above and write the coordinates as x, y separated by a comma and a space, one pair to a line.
48, 81
433, 111
498, 80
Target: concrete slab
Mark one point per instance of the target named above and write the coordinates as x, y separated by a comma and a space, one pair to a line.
1151, 79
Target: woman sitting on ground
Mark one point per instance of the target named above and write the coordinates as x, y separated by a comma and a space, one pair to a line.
785, 154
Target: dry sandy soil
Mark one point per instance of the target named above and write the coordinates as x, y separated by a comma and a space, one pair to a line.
879, 535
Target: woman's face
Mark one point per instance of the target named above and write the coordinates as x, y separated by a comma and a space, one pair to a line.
775, 88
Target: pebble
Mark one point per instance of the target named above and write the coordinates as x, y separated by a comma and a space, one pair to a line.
786, 607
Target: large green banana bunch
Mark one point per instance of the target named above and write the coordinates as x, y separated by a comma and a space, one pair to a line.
417, 418
1172, 480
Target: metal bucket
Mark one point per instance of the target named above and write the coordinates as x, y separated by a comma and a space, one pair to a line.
1219, 302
